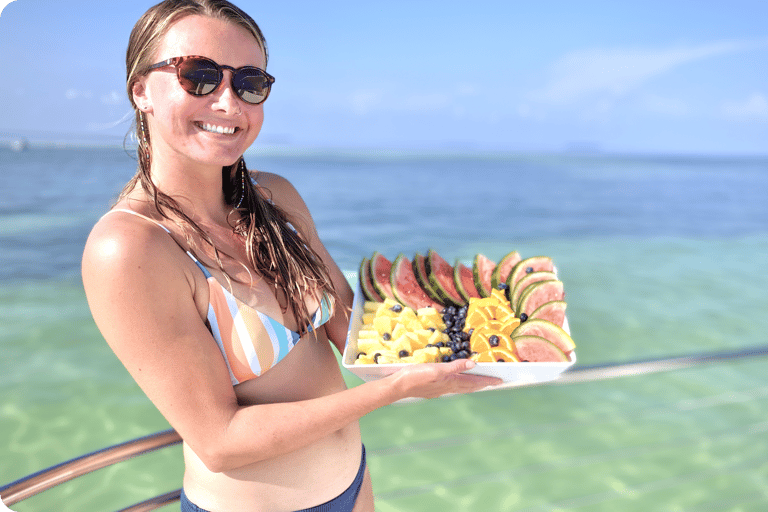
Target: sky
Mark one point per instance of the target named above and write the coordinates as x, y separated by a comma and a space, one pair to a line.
651, 77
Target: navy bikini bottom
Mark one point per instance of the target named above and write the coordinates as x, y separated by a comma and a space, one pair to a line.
344, 502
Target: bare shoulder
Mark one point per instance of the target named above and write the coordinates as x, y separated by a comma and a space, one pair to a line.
121, 240
279, 188
130, 259
283, 194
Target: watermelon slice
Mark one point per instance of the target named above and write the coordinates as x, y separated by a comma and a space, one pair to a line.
482, 270
528, 265
381, 268
464, 281
420, 271
406, 288
527, 279
440, 275
366, 284
504, 268
547, 330
554, 311
537, 294
535, 349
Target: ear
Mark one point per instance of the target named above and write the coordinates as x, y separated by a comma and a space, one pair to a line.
140, 95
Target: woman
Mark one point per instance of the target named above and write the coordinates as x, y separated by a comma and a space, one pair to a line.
212, 287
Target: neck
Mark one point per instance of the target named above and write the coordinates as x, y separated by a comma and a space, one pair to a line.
196, 187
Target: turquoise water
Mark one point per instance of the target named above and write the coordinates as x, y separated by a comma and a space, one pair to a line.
659, 256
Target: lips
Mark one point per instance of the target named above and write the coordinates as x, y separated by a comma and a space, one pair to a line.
221, 130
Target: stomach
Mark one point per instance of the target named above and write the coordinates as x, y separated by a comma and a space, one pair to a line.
307, 476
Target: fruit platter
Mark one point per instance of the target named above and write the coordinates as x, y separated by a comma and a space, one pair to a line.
507, 316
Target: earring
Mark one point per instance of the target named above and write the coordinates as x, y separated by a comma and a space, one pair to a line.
243, 171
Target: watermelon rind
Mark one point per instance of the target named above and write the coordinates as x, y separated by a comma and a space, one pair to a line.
537, 294
366, 285
482, 270
420, 271
381, 268
547, 330
528, 279
464, 280
535, 263
554, 311
504, 268
405, 287
440, 274
536, 349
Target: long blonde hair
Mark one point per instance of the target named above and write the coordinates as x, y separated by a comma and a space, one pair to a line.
273, 248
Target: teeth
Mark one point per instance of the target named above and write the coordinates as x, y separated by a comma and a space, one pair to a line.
217, 129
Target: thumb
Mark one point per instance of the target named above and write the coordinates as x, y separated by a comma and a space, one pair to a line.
459, 365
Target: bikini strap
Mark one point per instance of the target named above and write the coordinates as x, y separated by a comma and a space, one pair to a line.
206, 273
153, 221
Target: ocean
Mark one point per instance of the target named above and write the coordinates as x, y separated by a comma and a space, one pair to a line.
660, 256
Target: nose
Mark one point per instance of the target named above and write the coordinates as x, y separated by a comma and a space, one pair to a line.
226, 98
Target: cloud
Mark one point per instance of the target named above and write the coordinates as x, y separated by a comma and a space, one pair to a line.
615, 72
112, 98
754, 108
73, 94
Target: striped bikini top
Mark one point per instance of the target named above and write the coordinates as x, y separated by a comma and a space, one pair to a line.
250, 341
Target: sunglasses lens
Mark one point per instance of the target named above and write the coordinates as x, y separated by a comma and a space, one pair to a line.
199, 76
251, 85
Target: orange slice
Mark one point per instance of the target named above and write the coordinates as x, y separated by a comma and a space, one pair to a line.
479, 342
497, 355
477, 317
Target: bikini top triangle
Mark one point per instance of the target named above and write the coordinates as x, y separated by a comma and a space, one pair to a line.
250, 341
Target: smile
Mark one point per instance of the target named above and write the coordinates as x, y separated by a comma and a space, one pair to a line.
212, 128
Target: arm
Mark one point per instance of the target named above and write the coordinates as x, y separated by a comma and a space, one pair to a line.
142, 299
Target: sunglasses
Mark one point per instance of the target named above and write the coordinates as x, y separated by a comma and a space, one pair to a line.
200, 76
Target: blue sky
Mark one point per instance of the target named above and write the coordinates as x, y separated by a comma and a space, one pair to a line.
670, 76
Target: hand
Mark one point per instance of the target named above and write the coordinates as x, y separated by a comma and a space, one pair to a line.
430, 380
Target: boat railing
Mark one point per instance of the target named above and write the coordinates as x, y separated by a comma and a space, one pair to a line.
36, 483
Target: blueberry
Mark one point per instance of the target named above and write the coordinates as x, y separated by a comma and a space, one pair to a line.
451, 310
397, 308
403, 353
386, 336
528, 270
462, 354
449, 358
523, 317
440, 344
503, 286
464, 336
464, 345
493, 340
431, 329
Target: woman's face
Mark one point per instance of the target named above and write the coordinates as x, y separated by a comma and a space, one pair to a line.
183, 126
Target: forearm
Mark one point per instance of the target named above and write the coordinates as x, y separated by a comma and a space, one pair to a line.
264, 431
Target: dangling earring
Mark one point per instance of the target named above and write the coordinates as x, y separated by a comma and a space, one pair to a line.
144, 133
243, 171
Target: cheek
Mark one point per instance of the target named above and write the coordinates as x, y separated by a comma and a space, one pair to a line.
257, 119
